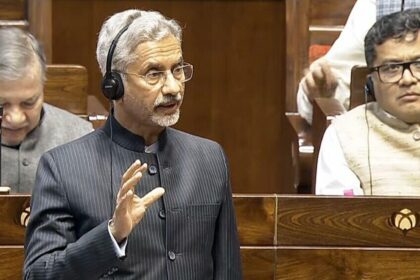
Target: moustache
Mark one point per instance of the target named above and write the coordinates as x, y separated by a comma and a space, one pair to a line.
163, 100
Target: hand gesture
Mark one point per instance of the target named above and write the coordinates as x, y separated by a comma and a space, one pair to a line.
319, 81
131, 208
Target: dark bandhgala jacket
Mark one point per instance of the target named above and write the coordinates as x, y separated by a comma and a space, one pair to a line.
190, 233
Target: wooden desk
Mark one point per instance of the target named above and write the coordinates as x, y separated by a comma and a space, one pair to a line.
320, 237
291, 237
12, 235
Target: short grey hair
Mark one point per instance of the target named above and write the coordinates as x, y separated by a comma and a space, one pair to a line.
19, 50
144, 26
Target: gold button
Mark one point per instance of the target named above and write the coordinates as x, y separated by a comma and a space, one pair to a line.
416, 135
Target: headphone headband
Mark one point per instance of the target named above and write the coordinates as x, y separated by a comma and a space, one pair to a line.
113, 47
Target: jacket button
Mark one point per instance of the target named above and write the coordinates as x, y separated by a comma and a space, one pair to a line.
153, 169
25, 162
171, 255
162, 214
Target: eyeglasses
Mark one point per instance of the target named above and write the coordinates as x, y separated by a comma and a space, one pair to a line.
182, 73
393, 72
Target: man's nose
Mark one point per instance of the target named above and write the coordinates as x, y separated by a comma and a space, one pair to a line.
171, 85
407, 77
14, 116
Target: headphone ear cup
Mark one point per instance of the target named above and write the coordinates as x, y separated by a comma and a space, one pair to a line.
113, 86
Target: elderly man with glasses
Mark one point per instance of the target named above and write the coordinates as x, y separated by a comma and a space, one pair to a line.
135, 199
374, 149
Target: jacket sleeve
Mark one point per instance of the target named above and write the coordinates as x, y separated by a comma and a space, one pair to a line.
53, 250
226, 253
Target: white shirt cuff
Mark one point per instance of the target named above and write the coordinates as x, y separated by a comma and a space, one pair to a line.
119, 249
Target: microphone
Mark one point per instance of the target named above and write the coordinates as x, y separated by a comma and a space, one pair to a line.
3, 189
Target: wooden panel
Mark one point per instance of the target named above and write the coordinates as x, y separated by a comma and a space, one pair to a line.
66, 88
12, 10
40, 23
256, 216
236, 95
11, 262
330, 12
11, 207
297, 26
258, 263
344, 221
347, 264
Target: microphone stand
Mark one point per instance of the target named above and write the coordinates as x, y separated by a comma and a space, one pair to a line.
3, 189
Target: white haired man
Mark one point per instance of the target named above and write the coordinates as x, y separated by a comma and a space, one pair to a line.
171, 216
30, 127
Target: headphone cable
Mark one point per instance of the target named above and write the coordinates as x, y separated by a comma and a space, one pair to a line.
368, 145
110, 155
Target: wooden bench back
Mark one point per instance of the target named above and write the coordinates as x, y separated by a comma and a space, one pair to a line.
13, 13
12, 10
357, 86
66, 87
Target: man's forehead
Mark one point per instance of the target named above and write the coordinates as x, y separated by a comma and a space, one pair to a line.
166, 47
27, 88
405, 47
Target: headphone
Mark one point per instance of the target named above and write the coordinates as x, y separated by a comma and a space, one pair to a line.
112, 84
369, 90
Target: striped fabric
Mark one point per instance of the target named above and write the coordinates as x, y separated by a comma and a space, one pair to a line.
188, 234
385, 7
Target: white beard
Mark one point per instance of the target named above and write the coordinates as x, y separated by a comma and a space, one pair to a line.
167, 120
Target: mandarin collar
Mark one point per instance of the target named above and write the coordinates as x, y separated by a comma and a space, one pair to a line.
127, 139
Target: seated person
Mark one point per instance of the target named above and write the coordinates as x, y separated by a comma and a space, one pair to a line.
375, 148
329, 76
29, 126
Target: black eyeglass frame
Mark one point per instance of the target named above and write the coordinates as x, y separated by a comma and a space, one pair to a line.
405, 65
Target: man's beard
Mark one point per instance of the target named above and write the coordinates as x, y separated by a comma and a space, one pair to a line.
167, 120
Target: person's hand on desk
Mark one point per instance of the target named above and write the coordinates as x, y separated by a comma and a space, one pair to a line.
319, 81
131, 208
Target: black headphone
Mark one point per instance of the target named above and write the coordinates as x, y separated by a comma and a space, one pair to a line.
369, 91
112, 84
